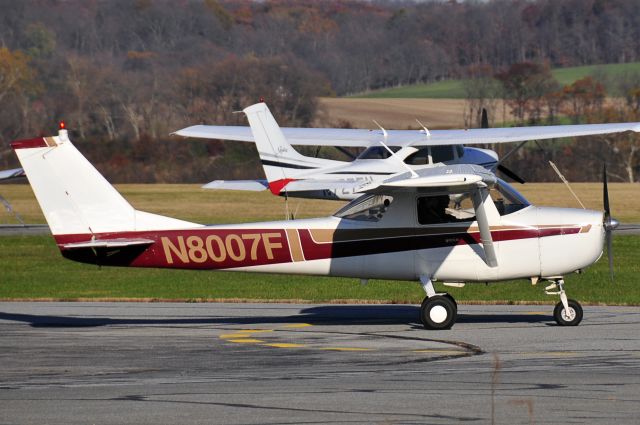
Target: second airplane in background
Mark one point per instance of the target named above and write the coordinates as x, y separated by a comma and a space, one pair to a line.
387, 152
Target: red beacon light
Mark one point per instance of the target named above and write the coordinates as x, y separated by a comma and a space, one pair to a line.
62, 126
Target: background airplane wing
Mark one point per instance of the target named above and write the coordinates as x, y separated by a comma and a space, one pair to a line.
251, 185
10, 174
350, 137
450, 178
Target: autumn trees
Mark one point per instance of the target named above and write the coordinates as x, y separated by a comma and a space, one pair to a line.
124, 71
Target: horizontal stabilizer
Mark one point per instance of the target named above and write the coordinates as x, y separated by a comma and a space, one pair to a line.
250, 185
11, 174
108, 243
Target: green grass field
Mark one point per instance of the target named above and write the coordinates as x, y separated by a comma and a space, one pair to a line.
32, 267
452, 89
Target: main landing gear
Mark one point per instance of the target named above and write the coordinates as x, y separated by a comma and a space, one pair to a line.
567, 312
438, 311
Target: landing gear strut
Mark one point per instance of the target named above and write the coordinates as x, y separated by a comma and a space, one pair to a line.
567, 312
438, 311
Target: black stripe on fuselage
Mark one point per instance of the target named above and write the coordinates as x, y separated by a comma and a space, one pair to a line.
362, 172
285, 165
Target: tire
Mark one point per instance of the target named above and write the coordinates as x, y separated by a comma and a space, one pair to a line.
563, 319
453, 300
438, 312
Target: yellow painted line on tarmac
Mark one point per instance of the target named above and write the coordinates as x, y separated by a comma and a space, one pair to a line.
246, 341
284, 345
227, 336
297, 325
537, 313
345, 349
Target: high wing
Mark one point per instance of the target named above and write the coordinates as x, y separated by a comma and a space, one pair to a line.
257, 185
10, 174
348, 137
449, 179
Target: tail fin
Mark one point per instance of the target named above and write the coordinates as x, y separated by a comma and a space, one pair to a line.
75, 198
281, 162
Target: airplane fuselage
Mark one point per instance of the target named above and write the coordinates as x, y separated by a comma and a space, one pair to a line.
532, 242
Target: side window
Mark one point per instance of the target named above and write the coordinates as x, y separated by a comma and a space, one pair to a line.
442, 153
378, 152
366, 208
420, 157
454, 208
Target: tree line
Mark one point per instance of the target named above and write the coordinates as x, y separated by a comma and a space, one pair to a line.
127, 73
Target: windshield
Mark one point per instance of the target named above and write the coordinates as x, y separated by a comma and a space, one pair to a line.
378, 152
366, 208
507, 199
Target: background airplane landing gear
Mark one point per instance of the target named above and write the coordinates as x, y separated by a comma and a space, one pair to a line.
438, 312
570, 317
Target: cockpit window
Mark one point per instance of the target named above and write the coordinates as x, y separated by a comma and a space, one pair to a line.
441, 153
438, 154
378, 152
451, 208
458, 207
420, 157
366, 208
507, 199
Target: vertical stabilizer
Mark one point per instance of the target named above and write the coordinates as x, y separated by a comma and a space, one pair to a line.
75, 198
281, 162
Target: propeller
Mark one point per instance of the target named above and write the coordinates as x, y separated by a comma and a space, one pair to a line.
507, 172
484, 121
609, 223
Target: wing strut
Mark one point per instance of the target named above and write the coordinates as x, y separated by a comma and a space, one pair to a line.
479, 195
386, 136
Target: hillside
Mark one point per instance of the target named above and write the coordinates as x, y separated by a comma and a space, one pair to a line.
453, 89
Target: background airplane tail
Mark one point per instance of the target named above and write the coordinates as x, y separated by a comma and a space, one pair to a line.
281, 162
74, 197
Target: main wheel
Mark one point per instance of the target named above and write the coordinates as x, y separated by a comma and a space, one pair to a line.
438, 312
453, 300
572, 317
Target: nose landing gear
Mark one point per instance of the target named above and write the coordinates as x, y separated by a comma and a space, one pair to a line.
567, 312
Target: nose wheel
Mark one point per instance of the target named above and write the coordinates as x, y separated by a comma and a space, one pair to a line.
568, 316
567, 312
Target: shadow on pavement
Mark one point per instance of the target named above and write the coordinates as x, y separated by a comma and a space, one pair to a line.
317, 315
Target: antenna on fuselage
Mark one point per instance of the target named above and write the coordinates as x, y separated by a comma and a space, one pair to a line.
386, 136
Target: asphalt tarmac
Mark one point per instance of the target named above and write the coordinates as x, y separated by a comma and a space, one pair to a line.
103, 363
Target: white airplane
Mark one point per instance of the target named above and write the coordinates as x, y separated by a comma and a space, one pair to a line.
11, 174
404, 227
288, 173
7, 175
